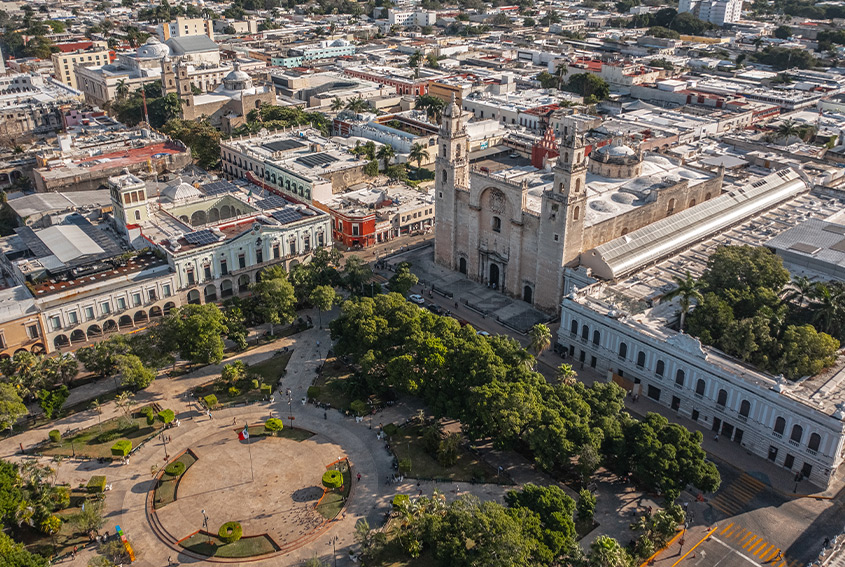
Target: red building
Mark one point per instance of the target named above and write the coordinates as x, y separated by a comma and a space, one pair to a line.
545, 149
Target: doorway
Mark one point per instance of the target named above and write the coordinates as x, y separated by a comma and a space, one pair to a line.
462, 266
717, 424
676, 403
773, 453
738, 435
494, 276
527, 294
727, 430
788, 461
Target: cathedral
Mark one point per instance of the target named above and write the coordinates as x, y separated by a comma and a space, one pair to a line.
518, 229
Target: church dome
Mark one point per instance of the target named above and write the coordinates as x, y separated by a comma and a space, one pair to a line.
153, 49
181, 191
617, 151
237, 80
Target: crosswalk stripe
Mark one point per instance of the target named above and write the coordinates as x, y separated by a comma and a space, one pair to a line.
727, 528
794, 563
771, 554
758, 546
749, 534
751, 542
781, 564
738, 533
764, 550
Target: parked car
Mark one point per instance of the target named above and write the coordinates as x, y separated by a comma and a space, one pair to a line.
483, 333
436, 309
416, 299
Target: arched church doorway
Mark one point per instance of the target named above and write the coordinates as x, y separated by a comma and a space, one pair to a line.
527, 294
462, 266
494, 276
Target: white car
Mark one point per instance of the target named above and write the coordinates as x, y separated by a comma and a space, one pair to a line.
483, 333
418, 299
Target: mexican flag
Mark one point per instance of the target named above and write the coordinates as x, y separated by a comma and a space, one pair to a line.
243, 434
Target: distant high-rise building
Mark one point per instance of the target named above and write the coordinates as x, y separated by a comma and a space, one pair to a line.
719, 12
182, 27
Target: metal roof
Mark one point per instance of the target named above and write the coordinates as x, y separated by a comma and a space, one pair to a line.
191, 44
814, 244
626, 254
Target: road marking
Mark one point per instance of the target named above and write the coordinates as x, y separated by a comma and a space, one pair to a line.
734, 551
749, 534
767, 550
751, 542
727, 528
771, 554
702, 540
756, 547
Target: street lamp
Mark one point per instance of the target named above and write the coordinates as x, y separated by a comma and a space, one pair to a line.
164, 440
205, 525
333, 542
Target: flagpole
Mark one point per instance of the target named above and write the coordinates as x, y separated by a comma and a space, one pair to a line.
249, 449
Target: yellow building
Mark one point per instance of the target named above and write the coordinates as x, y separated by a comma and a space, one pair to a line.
64, 62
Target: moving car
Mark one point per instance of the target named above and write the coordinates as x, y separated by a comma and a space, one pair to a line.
416, 299
436, 309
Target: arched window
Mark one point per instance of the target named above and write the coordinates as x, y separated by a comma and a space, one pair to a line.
596, 338
576, 213
578, 185
744, 408
623, 350
692, 203
458, 151
707, 197
574, 327
641, 359
780, 425
660, 368
679, 377
671, 208
561, 186
797, 433
700, 386
443, 176
815, 441
585, 332
722, 398
497, 224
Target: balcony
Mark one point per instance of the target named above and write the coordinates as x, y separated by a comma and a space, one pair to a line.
742, 418
812, 452
699, 396
793, 442
679, 386
777, 435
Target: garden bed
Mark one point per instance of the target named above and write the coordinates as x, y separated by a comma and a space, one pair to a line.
407, 443
268, 372
332, 501
96, 441
66, 538
335, 386
251, 546
294, 434
165, 491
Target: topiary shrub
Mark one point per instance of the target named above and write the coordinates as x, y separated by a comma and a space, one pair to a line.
148, 412
60, 497
404, 466
210, 401
55, 436
233, 391
332, 479
266, 389
313, 392
359, 408
391, 429
166, 416
97, 484
175, 469
230, 532
401, 500
121, 448
255, 384
273, 425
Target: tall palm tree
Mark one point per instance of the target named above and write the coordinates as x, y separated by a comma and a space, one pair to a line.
337, 104
418, 154
98, 407
798, 291
565, 374
687, 290
386, 153
357, 104
787, 129
828, 307
541, 339
125, 401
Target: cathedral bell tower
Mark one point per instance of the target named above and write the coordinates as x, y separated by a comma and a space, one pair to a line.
561, 231
451, 176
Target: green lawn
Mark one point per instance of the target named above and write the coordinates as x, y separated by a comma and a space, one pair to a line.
408, 444
333, 500
67, 538
244, 547
332, 384
96, 441
165, 492
269, 372
294, 434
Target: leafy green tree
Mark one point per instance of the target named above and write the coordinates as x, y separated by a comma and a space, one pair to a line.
323, 298
591, 87
371, 169
11, 496
660, 31
586, 507
356, 273
547, 80
806, 352
554, 510
102, 358
233, 372
528, 22
565, 374
200, 136
135, 374
403, 280
606, 552
276, 300
51, 401
588, 462
744, 267
15, 554
11, 408
195, 332
89, 519
782, 32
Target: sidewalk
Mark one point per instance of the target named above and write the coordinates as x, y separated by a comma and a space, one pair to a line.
682, 549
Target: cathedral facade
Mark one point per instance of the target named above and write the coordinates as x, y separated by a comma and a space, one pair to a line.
518, 233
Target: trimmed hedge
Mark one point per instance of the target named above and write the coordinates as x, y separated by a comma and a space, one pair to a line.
391, 429
97, 484
210, 401
175, 469
121, 448
166, 416
148, 412
313, 392
266, 389
55, 436
401, 500
359, 408
230, 532
332, 479
274, 425
234, 392
255, 384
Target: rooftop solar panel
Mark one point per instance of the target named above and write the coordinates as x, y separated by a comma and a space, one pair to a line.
218, 188
285, 216
201, 237
272, 202
283, 145
315, 160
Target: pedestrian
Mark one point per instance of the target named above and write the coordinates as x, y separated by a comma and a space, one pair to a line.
716, 438
234, 420
169, 561
359, 477
75, 549
325, 415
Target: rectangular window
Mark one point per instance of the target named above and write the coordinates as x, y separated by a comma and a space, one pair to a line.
207, 271
89, 313
73, 318
165, 290
293, 247
307, 243
136, 299
276, 251
259, 255
191, 280
2, 340
32, 331
224, 267
151, 293
121, 303
242, 261
55, 323
105, 308
355, 230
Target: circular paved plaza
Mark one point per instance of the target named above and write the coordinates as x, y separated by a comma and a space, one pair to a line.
280, 500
